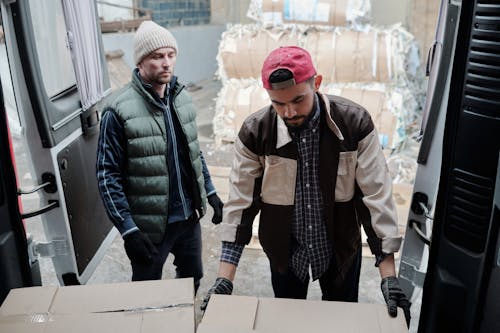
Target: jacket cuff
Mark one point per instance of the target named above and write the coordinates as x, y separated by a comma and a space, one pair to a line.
379, 258
128, 226
391, 244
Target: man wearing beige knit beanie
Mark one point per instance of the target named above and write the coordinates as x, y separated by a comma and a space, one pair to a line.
151, 173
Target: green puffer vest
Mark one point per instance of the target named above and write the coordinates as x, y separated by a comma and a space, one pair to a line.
146, 174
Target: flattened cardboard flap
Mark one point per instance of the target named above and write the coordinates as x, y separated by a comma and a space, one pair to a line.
86, 323
298, 315
175, 320
231, 311
30, 300
179, 321
21, 327
251, 315
133, 307
141, 295
215, 328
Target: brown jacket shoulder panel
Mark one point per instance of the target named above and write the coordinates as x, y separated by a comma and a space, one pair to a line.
353, 120
258, 133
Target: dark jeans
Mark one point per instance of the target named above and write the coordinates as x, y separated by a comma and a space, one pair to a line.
183, 240
288, 285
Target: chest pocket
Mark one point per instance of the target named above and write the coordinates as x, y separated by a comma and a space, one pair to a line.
346, 175
278, 182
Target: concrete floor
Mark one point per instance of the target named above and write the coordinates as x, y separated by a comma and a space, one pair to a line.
253, 276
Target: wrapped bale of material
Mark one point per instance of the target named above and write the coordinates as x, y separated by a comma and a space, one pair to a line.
237, 99
341, 55
318, 12
394, 109
388, 107
351, 56
375, 102
243, 49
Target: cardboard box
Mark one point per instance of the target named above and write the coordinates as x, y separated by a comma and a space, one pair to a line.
146, 306
251, 315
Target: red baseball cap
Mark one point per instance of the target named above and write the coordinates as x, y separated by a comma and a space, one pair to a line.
295, 59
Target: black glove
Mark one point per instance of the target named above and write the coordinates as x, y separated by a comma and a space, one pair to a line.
139, 248
395, 297
217, 205
222, 286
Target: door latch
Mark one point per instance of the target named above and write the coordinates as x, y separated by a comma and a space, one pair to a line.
48, 185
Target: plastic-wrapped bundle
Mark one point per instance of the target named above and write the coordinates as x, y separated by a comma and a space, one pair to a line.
351, 56
394, 109
320, 12
237, 99
243, 48
341, 55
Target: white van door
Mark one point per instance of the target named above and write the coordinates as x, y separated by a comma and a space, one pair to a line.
415, 251
59, 76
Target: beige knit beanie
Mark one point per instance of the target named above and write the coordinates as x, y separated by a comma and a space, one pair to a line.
150, 37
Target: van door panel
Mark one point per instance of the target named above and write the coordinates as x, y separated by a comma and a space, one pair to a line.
77, 232
87, 222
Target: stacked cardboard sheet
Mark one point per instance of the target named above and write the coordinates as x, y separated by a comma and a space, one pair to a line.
265, 315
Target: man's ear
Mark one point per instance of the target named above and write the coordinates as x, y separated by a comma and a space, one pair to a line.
317, 81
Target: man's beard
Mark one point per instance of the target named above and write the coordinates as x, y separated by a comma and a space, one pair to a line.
287, 121
162, 79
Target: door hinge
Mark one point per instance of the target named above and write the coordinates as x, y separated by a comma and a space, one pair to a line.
57, 247
410, 273
90, 120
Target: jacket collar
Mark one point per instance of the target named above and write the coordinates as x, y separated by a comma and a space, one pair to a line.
284, 137
329, 120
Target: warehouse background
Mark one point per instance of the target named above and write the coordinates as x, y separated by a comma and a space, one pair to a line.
200, 45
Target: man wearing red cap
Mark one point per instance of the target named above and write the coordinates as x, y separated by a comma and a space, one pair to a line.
313, 166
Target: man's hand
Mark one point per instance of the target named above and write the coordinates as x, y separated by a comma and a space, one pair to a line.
217, 205
395, 297
139, 247
222, 286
